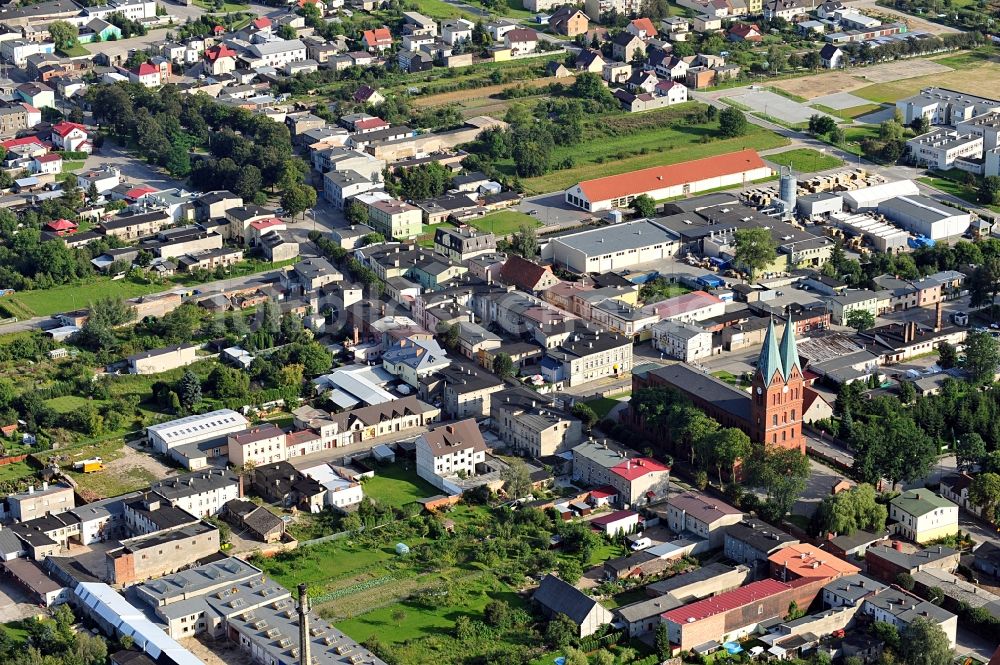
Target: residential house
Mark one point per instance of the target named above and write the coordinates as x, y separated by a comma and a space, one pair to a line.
450, 450
264, 444
588, 60
682, 341
704, 516
832, 57
203, 493
752, 542
527, 275
569, 21
555, 596
921, 515
413, 359
36, 94
625, 47
463, 243
456, 31
156, 361
885, 561
786, 9
256, 521
745, 32
220, 59
395, 219
673, 91
70, 136
899, 609
379, 39
586, 355
642, 28
642, 82
521, 41
804, 561
528, 423
466, 392
636, 481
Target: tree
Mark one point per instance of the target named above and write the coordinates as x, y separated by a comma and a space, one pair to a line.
398, 616
644, 205
730, 445
516, 479
357, 212
984, 283
970, 450
905, 580
561, 631
661, 641
732, 122
524, 242
985, 492
503, 366
860, 319
782, 474
570, 571
586, 414
947, 355
982, 356
846, 512
989, 190
575, 657
64, 34
189, 390
892, 447
838, 136
754, 249
821, 124
373, 238
923, 642
297, 199
811, 60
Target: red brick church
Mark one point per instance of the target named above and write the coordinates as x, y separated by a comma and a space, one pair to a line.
771, 414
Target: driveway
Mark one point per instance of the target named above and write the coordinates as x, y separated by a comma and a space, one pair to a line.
14, 602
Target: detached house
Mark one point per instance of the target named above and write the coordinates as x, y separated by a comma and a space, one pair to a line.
569, 21
450, 450
147, 74
642, 28
589, 61
220, 60
921, 515
832, 57
626, 46
521, 41
745, 32
555, 596
70, 136
379, 39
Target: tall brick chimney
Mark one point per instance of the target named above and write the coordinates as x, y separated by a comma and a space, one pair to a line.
305, 657
938, 309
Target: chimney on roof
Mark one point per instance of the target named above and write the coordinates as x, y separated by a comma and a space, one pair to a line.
305, 657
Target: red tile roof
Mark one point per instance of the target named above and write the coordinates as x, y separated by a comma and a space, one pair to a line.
645, 24
660, 177
262, 22
220, 51
522, 273
369, 123
804, 560
377, 36
605, 492
61, 224
266, 223
637, 468
63, 128
25, 140
146, 69
521, 35
724, 602
139, 191
51, 157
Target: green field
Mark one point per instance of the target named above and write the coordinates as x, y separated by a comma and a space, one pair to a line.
619, 144
504, 222
15, 471
954, 188
848, 113
45, 302
602, 406
66, 403
805, 160
397, 486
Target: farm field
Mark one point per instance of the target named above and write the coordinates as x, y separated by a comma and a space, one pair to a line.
619, 144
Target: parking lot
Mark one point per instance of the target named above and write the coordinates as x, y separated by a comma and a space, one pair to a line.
776, 106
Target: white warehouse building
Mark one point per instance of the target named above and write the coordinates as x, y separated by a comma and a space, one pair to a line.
612, 247
925, 216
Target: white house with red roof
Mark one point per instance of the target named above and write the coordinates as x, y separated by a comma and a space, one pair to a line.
620, 521
642, 28
262, 227
262, 23
34, 115
51, 163
220, 59
27, 146
676, 93
379, 39
147, 74
71, 136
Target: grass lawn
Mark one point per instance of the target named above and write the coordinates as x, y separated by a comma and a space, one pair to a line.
438, 9
227, 7
849, 113
15, 631
397, 486
15, 471
45, 302
974, 73
729, 378
800, 521
66, 403
954, 188
625, 598
504, 222
75, 51
805, 160
602, 406
618, 144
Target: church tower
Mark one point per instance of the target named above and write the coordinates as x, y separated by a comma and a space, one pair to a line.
776, 399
